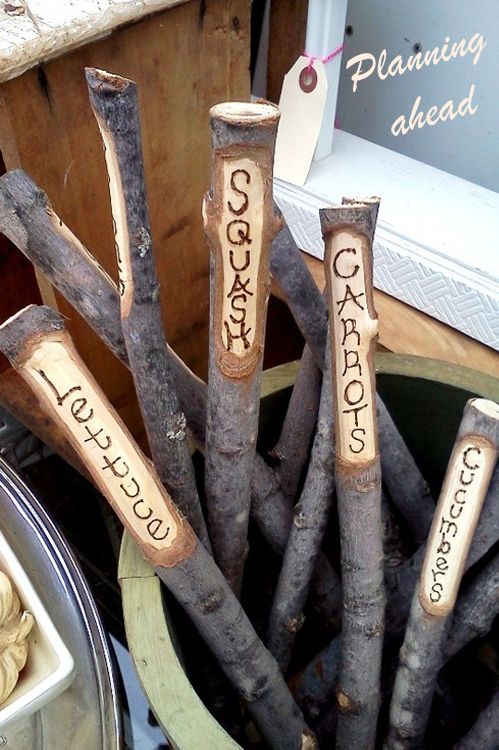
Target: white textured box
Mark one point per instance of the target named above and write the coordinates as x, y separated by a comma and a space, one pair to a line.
50, 667
437, 239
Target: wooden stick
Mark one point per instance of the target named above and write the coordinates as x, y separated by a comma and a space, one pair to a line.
29, 221
240, 225
484, 734
310, 521
404, 481
347, 231
300, 291
115, 105
463, 493
475, 611
273, 515
291, 451
310, 313
37, 345
408, 490
317, 682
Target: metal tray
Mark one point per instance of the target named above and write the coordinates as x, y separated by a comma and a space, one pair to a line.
87, 715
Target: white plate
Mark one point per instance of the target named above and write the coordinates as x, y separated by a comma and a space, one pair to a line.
50, 667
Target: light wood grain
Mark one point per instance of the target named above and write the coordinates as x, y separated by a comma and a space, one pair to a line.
405, 330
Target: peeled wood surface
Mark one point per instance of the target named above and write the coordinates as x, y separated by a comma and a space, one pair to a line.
404, 330
59, 146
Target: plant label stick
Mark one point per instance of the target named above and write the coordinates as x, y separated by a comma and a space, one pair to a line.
240, 225
456, 516
37, 345
347, 232
115, 105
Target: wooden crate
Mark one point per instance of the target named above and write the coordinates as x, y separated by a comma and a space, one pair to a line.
184, 58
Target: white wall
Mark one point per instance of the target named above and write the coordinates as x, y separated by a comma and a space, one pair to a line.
467, 146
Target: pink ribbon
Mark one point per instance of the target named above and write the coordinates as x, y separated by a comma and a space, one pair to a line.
326, 59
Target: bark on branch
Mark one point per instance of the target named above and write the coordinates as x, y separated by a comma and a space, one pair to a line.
309, 524
240, 225
115, 105
468, 476
347, 233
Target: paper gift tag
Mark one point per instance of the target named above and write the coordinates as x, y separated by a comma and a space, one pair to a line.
302, 102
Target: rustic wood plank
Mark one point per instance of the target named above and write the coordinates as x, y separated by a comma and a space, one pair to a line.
34, 31
60, 148
288, 20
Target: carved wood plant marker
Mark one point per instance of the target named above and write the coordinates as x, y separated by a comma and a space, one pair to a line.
115, 105
463, 492
38, 346
406, 485
347, 232
240, 225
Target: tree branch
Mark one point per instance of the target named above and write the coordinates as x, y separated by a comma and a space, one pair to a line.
115, 105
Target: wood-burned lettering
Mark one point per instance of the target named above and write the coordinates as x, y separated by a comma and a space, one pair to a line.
114, 461
452, 529
241, 243
353, 330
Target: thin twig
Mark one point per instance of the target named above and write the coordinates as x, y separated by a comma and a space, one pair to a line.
309, 524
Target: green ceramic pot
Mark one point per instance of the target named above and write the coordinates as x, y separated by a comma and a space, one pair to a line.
425, 397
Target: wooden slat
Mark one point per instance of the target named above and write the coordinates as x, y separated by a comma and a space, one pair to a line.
405, 330
184, 60
34, 31
287, 30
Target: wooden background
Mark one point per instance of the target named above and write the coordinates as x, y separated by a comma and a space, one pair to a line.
184, 60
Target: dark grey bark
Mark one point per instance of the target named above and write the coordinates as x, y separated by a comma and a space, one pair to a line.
297, 284
27, 218
233, 397
202, 591
194, 579
421, 655
405, 483
291, 451
475, 611
484, 734
309, 524
317, 683
115, 104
